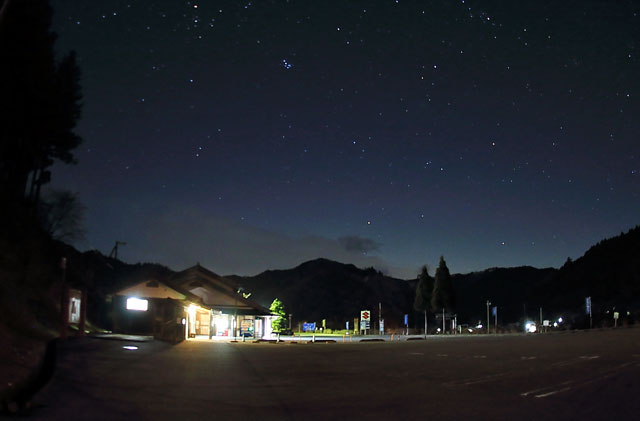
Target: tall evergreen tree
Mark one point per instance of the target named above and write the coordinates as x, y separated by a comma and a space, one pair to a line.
424, 290
40, 100
443, 296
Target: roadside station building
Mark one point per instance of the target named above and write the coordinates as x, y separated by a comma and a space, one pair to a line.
194, 303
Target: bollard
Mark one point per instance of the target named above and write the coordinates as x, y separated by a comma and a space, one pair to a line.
313, 338
392, 337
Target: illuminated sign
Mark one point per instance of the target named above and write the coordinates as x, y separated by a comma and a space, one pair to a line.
137, 304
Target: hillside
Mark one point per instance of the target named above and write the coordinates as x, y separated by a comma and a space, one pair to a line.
507, 288
324, 289
609, 272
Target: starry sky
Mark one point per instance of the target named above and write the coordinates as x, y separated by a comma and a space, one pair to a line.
253, 135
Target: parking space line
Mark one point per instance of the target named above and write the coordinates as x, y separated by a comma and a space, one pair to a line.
574, 383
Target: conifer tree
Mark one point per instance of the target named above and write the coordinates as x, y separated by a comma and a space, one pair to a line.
443, 296
424, 290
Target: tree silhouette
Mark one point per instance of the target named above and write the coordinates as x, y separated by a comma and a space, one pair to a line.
424, 290
40, 101
62, 215
443, 296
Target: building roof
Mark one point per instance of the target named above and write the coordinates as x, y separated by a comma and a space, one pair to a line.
157, 289
201, 286
215, 291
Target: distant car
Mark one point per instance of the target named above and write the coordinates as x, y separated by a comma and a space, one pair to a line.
285, 332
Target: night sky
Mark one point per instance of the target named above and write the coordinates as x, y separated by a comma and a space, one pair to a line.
259, 134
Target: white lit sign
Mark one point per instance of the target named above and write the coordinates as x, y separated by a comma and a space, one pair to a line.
137, 304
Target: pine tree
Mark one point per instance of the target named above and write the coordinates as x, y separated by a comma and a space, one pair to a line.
424, 290
443, 296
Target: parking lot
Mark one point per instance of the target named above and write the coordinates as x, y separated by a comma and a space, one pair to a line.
570, 375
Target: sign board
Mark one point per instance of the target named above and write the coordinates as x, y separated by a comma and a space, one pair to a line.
588, 305
365, 320
406, 320
616, 315
347, 326
309, 327
494, 311
75, 301
382, 326
546, 323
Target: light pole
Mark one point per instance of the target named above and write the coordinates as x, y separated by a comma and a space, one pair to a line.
488, 319
425, 324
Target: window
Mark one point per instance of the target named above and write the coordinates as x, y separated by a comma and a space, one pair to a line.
137, 304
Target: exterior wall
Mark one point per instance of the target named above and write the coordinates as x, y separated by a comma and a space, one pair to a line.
131, 321
162, 319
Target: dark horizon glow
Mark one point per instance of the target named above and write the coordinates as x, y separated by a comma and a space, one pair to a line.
257, 135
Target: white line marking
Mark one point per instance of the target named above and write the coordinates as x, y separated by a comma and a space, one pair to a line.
416, 353
544, 395
580, 359
442, 355
531, 392
572, 384
475, 380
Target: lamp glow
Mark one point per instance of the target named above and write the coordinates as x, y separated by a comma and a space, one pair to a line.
137, 304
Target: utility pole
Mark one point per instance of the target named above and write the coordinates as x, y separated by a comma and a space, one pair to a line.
488, 319
380, 332
443, 320
114, 250
540, 317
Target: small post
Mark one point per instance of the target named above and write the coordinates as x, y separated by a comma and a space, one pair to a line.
488, 319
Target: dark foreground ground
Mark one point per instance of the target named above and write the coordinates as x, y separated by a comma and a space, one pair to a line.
579, 375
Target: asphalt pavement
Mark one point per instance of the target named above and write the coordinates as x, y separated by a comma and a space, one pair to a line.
570, 375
